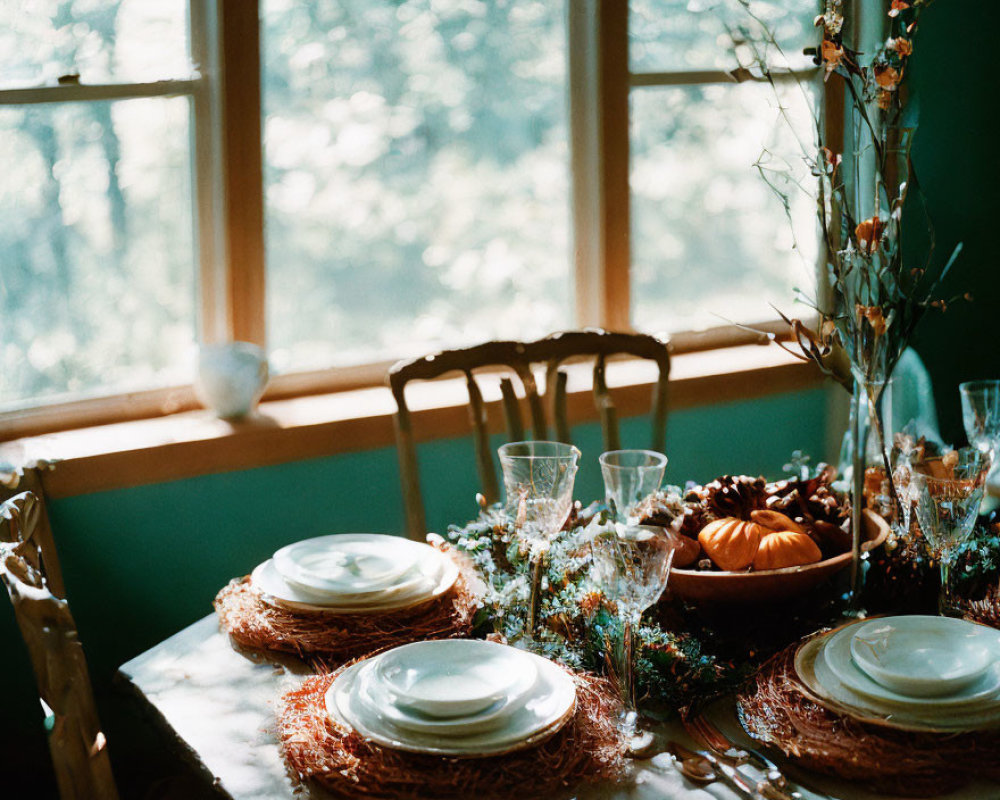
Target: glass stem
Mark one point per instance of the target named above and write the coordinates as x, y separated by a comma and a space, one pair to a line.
535, 601
628, 666
944, 598
857, 494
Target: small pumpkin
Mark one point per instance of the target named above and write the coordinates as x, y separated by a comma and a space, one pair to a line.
731, 543
786, 549
775, 521
687, 552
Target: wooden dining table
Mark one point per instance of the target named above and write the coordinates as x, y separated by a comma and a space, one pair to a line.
218, 705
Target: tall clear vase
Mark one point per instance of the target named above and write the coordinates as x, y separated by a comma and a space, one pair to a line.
858, 441
870, 427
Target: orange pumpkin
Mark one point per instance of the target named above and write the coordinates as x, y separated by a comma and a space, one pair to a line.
786, 549
731, 543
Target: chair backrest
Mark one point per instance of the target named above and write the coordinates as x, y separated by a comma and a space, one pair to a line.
77, 744
520, 361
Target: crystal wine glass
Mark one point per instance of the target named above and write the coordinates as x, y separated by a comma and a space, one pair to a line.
630, 476
946, 508
538, 478
630, 565
981, 415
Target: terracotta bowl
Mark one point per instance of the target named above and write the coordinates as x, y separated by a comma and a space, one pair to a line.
769, 584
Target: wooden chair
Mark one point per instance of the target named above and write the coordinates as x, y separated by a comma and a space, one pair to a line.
27, 565
520, 360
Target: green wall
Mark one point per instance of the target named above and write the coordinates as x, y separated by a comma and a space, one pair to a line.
142, 563
958, 163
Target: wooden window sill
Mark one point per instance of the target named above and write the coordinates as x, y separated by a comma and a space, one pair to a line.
194, 443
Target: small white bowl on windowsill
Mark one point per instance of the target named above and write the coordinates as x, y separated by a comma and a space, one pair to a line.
231, 378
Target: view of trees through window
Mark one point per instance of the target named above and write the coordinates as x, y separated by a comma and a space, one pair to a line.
97, 259
417, 184
417, 176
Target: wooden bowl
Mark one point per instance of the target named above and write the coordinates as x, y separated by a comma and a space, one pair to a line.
710, 587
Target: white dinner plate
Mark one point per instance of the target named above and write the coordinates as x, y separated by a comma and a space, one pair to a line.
817, 677
380, 701
345, 564
453, 677
837, 653
437, 572
925, 656
548, 706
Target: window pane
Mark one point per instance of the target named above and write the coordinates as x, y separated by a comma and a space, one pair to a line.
677, 35
711, 241
417, 176
96, 254
125, 41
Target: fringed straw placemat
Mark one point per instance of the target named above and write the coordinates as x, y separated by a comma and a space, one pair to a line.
317, 750
326, 641
777, 710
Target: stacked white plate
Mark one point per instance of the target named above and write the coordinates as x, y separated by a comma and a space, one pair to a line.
915, 672
354, 573
456, 697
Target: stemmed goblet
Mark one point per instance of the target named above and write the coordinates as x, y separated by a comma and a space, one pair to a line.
947, 507
981, 415
630, 476
631, 565
538, 478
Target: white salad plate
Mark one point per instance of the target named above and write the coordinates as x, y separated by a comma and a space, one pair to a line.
541, 712
814, 672
344, 564
837, 653
924, 656
434, 574
381, 701
453, 677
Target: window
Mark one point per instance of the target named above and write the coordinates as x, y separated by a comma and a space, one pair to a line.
98, 138
710, 241
434, 173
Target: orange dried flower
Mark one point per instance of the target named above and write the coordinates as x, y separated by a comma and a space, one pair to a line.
590, 603
898, 6
869, 234
832, 54
884, 100
900, 45
886, 77
874, 316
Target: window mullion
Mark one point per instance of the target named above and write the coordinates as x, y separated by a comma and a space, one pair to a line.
208, 200
598, 67
242, 171
613, 88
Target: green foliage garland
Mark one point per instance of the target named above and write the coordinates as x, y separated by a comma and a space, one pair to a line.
579, 627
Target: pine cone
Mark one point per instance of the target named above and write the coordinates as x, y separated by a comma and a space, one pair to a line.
810, 499
669, 511
734, 496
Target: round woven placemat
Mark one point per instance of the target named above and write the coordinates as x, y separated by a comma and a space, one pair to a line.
326, 640
318, 750
777, 710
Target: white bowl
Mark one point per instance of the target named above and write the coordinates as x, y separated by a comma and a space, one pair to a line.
452, 677
346, 563
377, 700
924, 656
547, 707
981, 694
436, 573
819, 680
